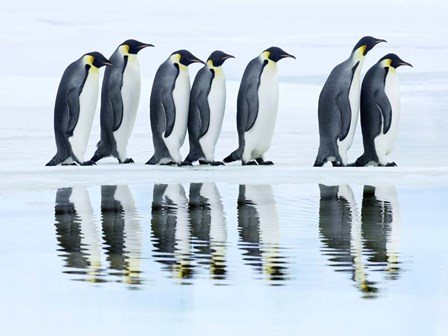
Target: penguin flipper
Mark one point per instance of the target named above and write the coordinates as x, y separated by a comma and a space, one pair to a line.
383, 104
345, 113
204, 111
73, 111
169, 109
250, 106
116, 102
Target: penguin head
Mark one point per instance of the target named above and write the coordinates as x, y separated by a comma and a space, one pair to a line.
275, 54
217, 58
96, 59
185, 57
134, 46
366, 44
392, 60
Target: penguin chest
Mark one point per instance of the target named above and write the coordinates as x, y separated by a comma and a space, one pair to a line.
181, 97
130, 94
354, 100
385, 142
259, 137
87, 106
216, 102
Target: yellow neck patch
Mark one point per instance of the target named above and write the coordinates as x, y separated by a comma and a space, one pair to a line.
386, 63
265, 55
124, 49
88, 59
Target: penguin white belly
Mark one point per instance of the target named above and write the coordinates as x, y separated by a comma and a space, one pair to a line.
87, 106
181, 97
384, 143
217, 104
130, 94
258, 139
354, 98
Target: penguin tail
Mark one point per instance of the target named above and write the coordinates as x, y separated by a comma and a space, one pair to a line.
234, 156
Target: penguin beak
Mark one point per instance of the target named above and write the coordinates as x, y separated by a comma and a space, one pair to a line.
405, 63
227, 57
285, 55
379, 41
144, 45
196, 60
108, 63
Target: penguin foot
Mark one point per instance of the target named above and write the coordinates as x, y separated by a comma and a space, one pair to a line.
337, 164
171, 163
203, 162
69, 164
249, 163
88, 163
391, 164
262, 162
51, 164
216, 163
128, 160
186, 163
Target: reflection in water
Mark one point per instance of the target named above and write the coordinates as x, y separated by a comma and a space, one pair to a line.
170, 229
208, 225
259, 231
80, 240
76, 232
360, 246
121, 232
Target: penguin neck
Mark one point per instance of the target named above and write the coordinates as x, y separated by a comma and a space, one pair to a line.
358, 56
175, 59
217, 70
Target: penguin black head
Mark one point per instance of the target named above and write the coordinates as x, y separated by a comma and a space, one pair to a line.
394, 61
135, 46
186, 58
218, 57
367, 43
276, 54
98, 60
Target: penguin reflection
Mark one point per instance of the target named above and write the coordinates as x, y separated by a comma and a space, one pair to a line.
76, 232
121, 232
208, 226
348, 240
259, 231
170, 229
380, 218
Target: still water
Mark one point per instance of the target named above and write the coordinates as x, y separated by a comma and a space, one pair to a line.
268, 251
186, 235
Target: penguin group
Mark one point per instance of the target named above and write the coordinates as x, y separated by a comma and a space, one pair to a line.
176, 107
378, 102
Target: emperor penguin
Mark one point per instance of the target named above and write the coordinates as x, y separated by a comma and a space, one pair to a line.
257, 106
206, 112
169, 101
339, 106
380, 111
75, 107
120, 95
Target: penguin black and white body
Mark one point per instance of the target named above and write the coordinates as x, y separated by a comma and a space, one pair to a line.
338, 108
257, 106
206, 112
170, 97
75, 107
380, 111
120, 95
